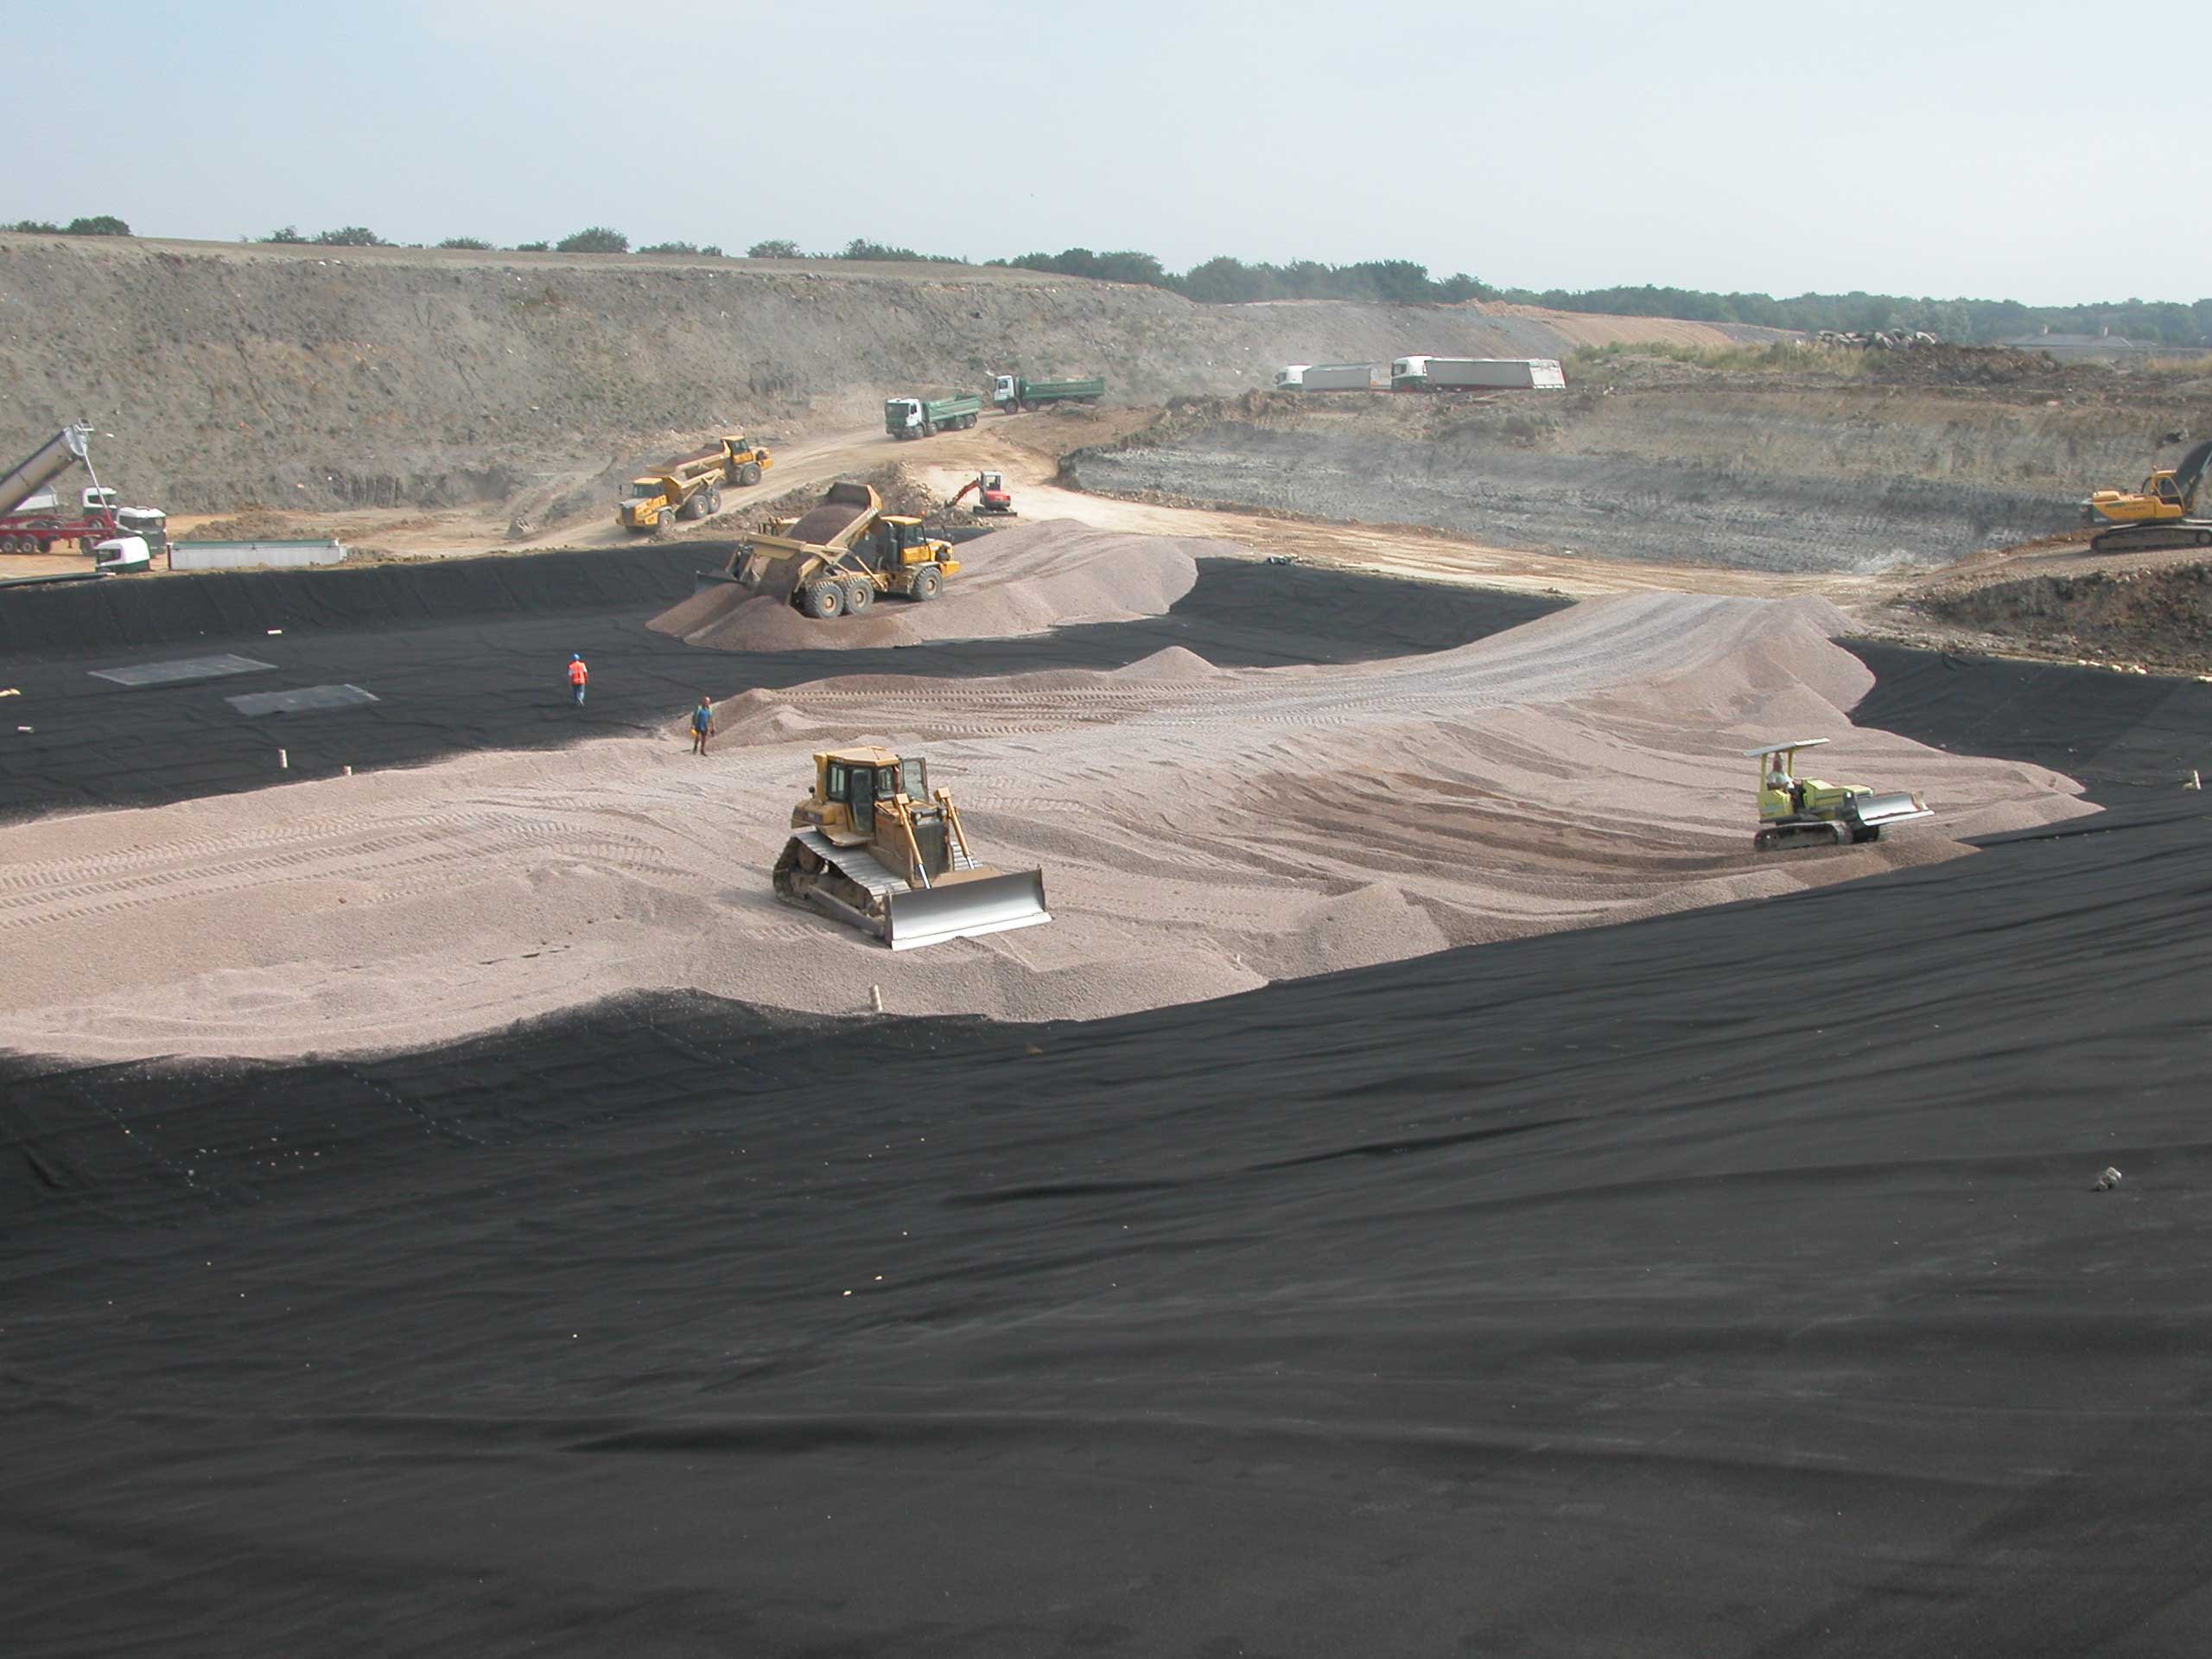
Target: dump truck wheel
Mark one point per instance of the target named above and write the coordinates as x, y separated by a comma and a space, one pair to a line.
860, 594
750, 472
927, 581
824, 599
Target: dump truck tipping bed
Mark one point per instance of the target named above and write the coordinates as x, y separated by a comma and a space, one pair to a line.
42, 466
776, 565
845, 512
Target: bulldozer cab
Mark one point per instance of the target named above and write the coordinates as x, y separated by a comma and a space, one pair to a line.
860, 777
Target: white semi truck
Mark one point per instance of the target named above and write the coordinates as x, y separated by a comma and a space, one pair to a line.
1424, 373
1330, 377
1343, 377
34, 520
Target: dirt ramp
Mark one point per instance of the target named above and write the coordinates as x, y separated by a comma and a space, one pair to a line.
1041, 576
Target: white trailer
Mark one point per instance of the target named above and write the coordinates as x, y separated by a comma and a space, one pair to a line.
1424, 373
1343, 377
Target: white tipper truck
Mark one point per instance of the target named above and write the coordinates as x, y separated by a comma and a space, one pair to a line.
1426, 373
1343, 377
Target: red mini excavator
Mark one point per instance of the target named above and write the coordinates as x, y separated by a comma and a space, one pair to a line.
990, 493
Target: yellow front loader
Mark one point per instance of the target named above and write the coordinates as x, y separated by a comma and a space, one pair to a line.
873, 848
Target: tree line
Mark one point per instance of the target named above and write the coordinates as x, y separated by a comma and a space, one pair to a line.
1223, 280
99, 224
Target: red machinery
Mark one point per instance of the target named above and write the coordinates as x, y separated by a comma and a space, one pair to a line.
990, 493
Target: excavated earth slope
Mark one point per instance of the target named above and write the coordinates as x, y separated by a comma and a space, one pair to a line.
1790, 475
223, 374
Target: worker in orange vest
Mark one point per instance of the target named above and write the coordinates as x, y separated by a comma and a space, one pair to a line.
578, 677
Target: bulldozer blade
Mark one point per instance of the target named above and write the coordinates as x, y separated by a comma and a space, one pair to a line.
1900, 808
965, 910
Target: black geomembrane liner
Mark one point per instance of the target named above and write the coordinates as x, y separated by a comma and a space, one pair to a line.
468, 654
1726, 1283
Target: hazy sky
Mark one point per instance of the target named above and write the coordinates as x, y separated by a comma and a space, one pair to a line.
2032, 151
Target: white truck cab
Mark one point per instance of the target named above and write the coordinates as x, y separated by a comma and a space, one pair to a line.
145, 531
1291, 376
122, 556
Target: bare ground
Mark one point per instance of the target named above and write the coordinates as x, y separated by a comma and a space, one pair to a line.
221, 375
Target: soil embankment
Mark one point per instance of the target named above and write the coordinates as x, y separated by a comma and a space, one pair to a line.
222, 375
1789, 475
2158, 614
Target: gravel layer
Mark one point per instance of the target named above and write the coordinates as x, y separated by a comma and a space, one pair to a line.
1202, 830
1014, 581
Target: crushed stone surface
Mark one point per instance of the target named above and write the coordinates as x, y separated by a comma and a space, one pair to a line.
1015, 581
1202, 830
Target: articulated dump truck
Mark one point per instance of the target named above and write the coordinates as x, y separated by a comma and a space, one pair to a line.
839, 555
872, 846
690, 486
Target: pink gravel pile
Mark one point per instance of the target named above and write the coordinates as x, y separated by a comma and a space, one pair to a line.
1012, 582
1202, 830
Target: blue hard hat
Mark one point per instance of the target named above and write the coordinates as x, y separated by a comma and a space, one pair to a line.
575, 657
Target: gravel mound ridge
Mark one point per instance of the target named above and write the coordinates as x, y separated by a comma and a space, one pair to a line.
1202, 830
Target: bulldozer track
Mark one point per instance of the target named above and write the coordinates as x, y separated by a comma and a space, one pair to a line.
401, 859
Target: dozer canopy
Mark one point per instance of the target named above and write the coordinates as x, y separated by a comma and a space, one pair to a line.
1787, 748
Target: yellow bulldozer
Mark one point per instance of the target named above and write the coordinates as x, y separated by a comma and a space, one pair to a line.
873, 847
2163, 513
838, 556
690, 486
1796, 812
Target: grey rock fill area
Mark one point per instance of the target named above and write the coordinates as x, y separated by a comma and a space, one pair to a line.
1698, 510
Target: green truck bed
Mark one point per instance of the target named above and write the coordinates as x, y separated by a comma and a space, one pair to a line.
917, 417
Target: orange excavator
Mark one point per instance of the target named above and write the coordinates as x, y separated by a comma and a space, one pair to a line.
990, 492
